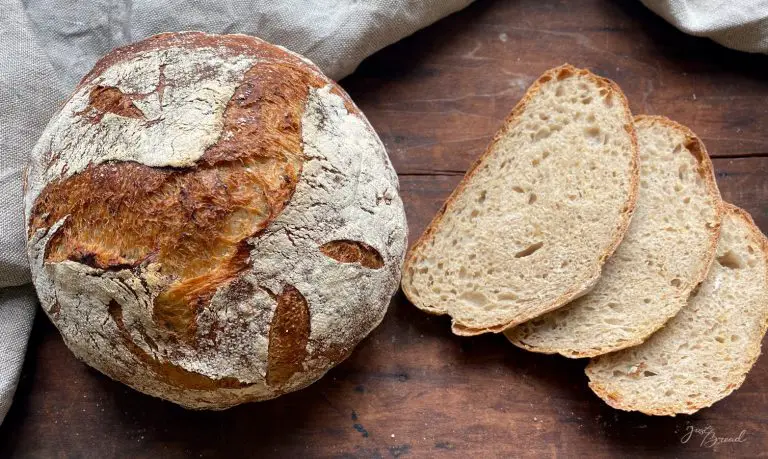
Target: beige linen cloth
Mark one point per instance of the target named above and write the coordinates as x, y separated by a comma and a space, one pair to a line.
47, 45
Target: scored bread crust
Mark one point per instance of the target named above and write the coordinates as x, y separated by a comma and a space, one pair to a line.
736, 375
563, 71
706, 171
211, 220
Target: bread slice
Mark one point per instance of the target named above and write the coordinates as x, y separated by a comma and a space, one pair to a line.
531, 224
666, 253
704, 353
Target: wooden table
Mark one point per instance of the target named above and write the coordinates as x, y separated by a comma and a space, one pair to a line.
412, 388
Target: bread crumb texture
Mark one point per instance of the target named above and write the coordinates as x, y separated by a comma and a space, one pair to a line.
705, 352
665, 254
212, 221
533, 221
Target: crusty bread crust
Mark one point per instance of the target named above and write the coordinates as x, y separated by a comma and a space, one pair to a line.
706, 170
615, 400
575, 291
212, 220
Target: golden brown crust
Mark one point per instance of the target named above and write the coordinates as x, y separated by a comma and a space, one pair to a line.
193, 221
179, 240
559, 73
616, 401
288, 336
353, 252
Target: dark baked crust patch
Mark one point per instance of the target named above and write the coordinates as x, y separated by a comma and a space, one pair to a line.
194, 221
288, 336
353, 252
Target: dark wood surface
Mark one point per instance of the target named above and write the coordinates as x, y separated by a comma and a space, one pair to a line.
412, 389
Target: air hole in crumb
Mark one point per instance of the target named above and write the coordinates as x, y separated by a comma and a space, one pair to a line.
646, 300
481, 197
507, 297
648, 373
608, 100
686, 200
734, 338
542, 134
592, 131
503, 164
675, 282
535, 162
532, 198
617, 373
586, 100
730, 260
677, 149
559, 91
474, 213
518, 189
545, 155
593, 135
530, 250
720, 339
474, 298
543, 116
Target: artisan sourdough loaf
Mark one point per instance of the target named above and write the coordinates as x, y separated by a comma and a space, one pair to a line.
531, 224
703, 353
211, 220
664, 256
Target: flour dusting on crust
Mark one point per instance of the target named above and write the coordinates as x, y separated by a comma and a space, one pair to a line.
348, 191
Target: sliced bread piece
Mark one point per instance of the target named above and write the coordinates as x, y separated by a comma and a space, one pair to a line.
665, 255
704, 353
531, 224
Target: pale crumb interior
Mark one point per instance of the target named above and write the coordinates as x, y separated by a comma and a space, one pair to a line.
538, 215
706, 350
659, 262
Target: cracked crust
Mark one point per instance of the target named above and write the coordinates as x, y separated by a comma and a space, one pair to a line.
575, 291
211, 220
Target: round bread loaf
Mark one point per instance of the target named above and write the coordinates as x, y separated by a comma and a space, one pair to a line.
211, 220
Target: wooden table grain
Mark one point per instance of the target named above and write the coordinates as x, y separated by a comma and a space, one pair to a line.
412, 389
